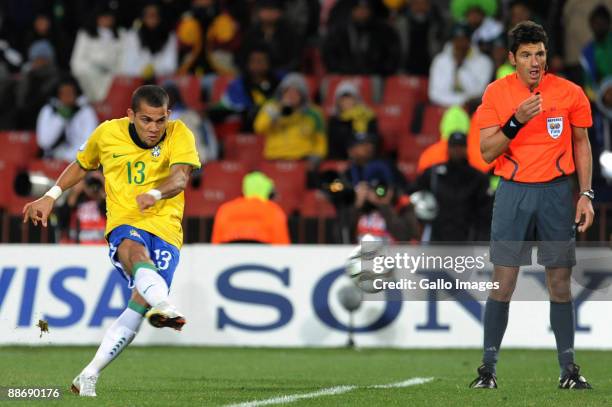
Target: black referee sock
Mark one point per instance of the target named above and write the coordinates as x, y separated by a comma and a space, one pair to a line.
562, 321
495, 322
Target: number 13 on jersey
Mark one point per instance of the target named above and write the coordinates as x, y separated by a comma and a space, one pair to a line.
135, 172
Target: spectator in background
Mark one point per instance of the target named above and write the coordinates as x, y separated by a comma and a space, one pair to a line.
303, 16
191, 33
65, 122
421, 29
520, 10
223, 39
455, 119
363, 153
478, 15
246, 94
209, 36
150, 48
577, 33
340, 13
252, 218
10, 62
96, 54
499, 56
596, 57
464, 204
380, 209
82, 218
364, 46
202, 129
38, 81
270, 28
43, 29
460, 72
350, 117
293, 128
10, 59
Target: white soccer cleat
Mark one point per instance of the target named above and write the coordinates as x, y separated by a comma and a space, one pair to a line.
165, 314
84, 385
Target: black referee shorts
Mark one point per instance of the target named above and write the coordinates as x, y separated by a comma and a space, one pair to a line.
528, 214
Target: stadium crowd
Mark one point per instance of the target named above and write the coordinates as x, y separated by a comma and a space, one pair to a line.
348, 106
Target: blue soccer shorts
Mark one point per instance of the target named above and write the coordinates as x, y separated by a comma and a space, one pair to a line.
164, 255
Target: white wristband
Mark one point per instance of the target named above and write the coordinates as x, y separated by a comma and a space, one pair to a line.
155, 193
55, 192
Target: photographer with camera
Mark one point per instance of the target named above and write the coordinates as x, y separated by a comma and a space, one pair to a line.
82, 218
293, 127
380, 207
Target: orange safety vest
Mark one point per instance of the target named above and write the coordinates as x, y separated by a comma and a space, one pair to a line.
250, 219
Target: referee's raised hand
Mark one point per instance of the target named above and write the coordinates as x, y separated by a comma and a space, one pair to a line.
531, 107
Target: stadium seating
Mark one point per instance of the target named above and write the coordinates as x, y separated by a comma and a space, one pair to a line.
7, 174
431, 119
18, 149
221, 182
18, 146
316, 205
313, 82
50, 168
190, 88
245, 148
289, 183
118, 98
393, 124
219, 86
232, 125
333, 165
411, 147
405, 89
317, 213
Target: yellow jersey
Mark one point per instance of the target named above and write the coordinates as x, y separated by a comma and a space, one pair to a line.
130, 170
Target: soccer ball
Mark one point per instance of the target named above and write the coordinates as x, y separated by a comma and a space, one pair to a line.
425, 205
354, 267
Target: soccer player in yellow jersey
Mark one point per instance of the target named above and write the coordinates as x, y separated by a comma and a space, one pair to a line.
146, 160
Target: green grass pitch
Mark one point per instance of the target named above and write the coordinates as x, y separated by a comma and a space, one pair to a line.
203, 376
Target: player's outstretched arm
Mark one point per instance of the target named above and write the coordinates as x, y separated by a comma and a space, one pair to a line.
40, 209
171, 186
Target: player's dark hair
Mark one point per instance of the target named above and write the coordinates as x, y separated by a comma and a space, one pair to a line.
526, 32
152, 95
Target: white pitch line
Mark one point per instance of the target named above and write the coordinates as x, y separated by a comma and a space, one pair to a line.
331, 391
410, 382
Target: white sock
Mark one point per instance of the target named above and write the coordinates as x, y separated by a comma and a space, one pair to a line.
120, 334
150, 285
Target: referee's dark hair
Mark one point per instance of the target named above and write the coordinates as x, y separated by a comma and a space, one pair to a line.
526, 32
152, 95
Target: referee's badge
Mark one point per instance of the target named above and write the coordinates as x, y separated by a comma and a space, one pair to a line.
554, 125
